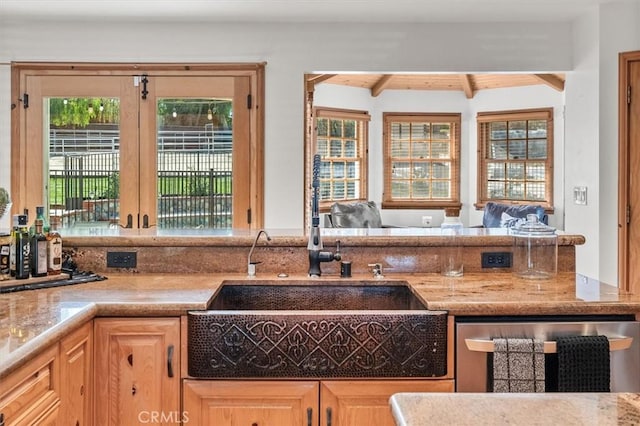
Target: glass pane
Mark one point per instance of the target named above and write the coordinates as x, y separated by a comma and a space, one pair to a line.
400, 131
420, 131
352, 190
399, 149
536, 171
323, 125
495, 189
420, 189
336, 148
353, 170
338, 170
323, 147
325, 190
440, 150
498, 130
400, 170
194, 142
441, 131
421, 170
537, 149
515, 190
515, 171
537, 128
349, 129
420, 150
497, 150
338, 190
495, 171
441, 189
517, 129
335, 127
400, 189
83, 160
535, 191
517, 149
325, 170
441, 170
350, 149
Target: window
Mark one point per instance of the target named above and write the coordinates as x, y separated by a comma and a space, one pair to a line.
137, 146
341, 141
516, 157
421, 160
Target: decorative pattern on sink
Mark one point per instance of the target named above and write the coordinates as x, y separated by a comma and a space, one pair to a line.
322, 344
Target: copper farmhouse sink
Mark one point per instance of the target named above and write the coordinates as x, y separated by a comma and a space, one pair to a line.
316, 329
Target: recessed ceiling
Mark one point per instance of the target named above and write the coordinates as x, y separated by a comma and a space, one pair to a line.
467, 83
303, 10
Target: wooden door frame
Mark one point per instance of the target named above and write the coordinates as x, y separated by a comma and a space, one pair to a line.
624, 87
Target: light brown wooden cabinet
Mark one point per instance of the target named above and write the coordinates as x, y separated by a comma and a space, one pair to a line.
310, 403
137, 373
31, 395
76, 376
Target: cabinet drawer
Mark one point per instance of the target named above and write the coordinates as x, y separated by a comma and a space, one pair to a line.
31, 391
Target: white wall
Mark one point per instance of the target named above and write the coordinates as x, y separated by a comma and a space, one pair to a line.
540, 96
292, 49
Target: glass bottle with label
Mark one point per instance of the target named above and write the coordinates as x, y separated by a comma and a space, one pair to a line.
39, 258
21, 247
54, 249
45, 223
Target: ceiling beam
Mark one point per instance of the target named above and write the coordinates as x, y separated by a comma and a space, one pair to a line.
381, 84
551, 80
313, 79
467, 88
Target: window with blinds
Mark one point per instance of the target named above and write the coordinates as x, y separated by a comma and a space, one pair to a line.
341, 139
516, 161
421, 160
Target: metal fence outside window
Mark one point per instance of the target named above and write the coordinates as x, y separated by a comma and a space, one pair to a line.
194, 177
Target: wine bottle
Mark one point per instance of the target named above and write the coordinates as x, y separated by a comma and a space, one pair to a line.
39, 258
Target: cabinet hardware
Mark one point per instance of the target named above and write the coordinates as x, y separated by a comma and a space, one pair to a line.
133, 390
81, 390
1, 419
480, 345
254, 424
329, 416
130, 359
170, 361
309, 416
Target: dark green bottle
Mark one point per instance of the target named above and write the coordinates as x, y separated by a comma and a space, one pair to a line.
38, 253
22, 248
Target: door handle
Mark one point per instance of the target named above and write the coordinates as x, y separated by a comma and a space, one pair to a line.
549, 347
329, 416
309, 416
170, 361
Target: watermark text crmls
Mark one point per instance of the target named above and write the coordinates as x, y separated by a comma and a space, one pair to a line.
163, 417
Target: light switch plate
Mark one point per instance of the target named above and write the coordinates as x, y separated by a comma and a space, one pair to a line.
580, 195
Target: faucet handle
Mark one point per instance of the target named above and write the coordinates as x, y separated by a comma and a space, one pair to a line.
377, 270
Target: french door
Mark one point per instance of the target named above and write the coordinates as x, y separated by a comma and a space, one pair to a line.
159, 148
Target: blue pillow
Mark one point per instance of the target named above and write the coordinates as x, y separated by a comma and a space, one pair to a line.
507, 216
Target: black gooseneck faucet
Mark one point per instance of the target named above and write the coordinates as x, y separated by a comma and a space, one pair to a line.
316, 254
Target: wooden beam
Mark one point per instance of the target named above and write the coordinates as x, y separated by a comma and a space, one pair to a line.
381, 84
465, 81
551, 80
313, 79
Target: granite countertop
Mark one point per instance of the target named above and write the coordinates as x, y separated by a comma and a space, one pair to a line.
602, 409
31, 320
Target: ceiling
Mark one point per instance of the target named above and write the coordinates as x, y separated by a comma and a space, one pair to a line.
365, 11
470, 84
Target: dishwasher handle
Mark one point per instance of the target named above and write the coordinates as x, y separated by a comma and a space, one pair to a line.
550, 347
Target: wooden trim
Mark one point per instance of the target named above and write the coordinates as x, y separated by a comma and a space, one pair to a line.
624, 140
551, 80
128, 67
467, 87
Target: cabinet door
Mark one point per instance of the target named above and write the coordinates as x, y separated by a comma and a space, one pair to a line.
366, 402
136, 370
76, 369
246, 403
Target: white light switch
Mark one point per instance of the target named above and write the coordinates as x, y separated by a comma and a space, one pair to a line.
580, 195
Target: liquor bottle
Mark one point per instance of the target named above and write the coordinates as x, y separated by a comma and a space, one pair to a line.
22, 248
15, 227
45, 223
54, 249
39, 258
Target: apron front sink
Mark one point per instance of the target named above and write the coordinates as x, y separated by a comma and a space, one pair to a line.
321, 330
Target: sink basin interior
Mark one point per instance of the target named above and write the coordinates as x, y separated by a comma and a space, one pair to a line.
298, 296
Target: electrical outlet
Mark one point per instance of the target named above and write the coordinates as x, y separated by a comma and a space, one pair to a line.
121, 259
496, 259
426, 220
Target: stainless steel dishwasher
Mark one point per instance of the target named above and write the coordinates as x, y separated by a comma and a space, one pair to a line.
474, 334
